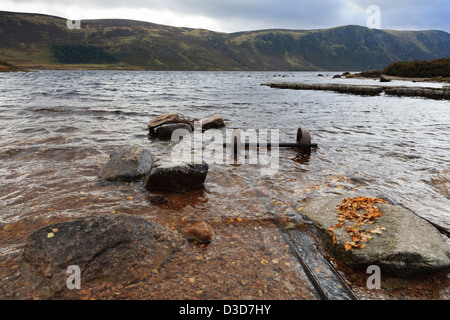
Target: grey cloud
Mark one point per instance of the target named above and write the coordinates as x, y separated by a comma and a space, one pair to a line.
294, 14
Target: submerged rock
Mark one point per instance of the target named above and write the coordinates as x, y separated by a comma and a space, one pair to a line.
167, 176
127, 163
165, 131
168, 118
409, 245
442, 182
117, 248
201, 232
213, 122
156, 199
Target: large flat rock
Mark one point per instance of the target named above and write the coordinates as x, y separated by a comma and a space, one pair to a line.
409, 245
121, 248
127, 163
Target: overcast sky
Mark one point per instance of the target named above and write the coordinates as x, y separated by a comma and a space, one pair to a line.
241, 15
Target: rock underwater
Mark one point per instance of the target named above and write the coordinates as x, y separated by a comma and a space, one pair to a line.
116, 248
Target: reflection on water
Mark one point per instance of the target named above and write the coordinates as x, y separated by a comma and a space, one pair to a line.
57, 129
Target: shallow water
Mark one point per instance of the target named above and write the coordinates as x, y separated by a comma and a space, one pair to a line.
58, 127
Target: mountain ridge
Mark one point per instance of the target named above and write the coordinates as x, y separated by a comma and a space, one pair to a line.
26, 40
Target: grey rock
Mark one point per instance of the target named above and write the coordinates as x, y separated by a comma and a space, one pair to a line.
410, 92
116, 248
437, 94
166, 131
128, 163
446, 95
410, 245
167, 176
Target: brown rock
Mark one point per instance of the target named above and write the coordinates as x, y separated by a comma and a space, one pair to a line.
201, 232
183, 177
167, 118
213, 122
156, 199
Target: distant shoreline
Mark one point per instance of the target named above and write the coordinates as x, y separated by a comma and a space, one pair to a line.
413, 79
369, 90
437, 79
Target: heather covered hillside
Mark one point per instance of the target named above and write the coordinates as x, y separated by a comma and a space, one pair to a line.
42, 41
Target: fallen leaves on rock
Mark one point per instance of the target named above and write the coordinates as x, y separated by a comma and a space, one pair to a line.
363, 211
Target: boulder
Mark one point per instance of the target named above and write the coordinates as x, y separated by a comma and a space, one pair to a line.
167, 176
410, 92
127, 163
446, 95
213, 122
115, 248
408, 246
165, 131
167, 119
390, 91
442, 182
437, 94
201, 232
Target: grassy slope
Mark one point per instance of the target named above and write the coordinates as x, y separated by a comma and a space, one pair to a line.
26, 40
8, 67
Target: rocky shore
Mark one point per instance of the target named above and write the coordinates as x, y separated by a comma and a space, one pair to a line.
399, 91
124, 251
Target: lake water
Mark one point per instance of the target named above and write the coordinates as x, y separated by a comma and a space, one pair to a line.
58, 127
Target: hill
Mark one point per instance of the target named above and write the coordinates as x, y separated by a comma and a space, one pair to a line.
30, 40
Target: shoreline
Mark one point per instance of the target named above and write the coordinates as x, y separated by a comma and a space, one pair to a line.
433, 80
439, 79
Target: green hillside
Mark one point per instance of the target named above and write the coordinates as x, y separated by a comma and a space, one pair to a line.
7, 67
29, 40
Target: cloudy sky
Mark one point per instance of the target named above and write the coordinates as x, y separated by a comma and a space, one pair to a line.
240, 15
